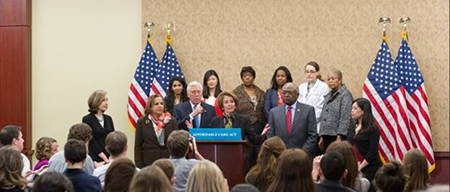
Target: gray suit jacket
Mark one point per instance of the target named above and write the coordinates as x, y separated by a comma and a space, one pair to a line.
304, 127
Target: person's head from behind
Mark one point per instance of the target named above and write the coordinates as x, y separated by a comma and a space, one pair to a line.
332, 166
12, 135
75, 151
293, 173
390, 178
81, 132
150, 178
11, 166
98, 101
244, 187
346, 150
194, 92
416, 167
52, 182
248, 75
211, 81
167, 167
178, 143
116, 143
206, 177
46, 147
267, 164
119, 175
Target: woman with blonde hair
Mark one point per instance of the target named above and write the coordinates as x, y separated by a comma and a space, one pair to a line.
416, 167
11, 166
263, 173
151, 178
293, 172
45, 148
206, 177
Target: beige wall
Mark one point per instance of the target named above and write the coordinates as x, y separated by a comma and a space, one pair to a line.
226, 35
80, 46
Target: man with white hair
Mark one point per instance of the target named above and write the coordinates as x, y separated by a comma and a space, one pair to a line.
194, 111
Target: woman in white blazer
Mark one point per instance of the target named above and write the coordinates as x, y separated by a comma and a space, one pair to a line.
312, 92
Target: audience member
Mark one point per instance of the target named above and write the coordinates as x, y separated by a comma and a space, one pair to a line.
116, 146
75, 154
293, 172
150, 178
46, 147
100, 123
416, 167
391, 178
294, 122
206, 177
199, 114
263, 173
12, 135
11, 165
178, 144
244, 187
354, 178
176, 93
336, 113
119, 175
152, 131
52, 182
274, 95
79, 131
211, 91
332, 169
167, 167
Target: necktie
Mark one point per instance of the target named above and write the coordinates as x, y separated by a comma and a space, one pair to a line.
196, 119
289, 119
228, 121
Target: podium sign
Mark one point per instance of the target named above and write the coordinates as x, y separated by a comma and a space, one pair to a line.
216, 134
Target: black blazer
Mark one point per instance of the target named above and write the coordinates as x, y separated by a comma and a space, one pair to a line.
240, 121
182, 111
99, 133
146, 145
367, 144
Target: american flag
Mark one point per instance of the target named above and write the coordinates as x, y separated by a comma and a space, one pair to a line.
384, 90
141, 85
168, 69
416, 99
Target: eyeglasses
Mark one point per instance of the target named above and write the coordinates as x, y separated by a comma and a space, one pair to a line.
311, 71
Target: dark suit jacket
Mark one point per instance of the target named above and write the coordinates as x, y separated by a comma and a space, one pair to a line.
99, 133
270, 101
146, 146
332, 186
367, 144
182, 111
304, 127
242, 122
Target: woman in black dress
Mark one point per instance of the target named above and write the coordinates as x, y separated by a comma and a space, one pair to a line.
100, 123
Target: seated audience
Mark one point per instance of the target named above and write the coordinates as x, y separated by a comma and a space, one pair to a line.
178, 144
52, 182
79, 131
293, 172
354, 179
167, 167
46, 147
75, 153
263, 173
244, 187
11, 165
12, 135
150, 178
119, 175
206, 177
116, 146
416, 167
390, 178
332, 170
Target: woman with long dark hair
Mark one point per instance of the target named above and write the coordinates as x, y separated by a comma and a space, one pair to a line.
364, 137
211, 91
177, 93
274, 95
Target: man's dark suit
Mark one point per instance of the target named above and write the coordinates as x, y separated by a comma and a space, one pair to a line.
182, 111
303, 134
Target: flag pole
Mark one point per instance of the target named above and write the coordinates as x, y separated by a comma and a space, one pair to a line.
168, 27
149, 25
384, 20
405, 21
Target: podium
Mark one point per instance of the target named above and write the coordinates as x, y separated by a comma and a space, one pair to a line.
230, 156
